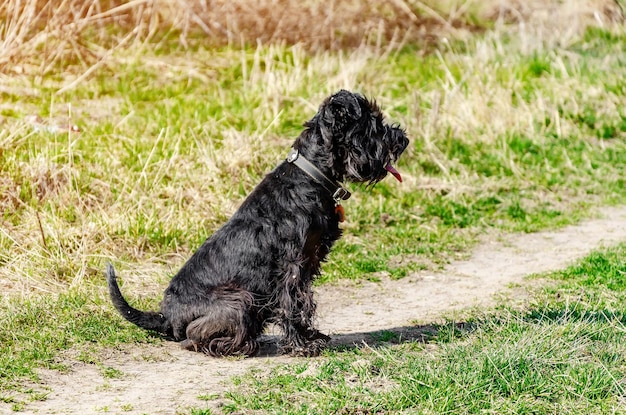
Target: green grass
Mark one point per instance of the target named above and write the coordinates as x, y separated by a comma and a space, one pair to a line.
37, 330
600, 269
564, 353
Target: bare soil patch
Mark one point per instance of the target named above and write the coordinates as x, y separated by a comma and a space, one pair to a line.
162, 379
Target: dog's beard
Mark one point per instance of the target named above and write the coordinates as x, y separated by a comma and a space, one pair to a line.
398, 143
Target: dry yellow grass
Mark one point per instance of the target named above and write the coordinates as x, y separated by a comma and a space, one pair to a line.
40, 36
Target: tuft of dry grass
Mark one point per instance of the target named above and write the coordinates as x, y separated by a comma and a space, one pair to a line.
42, 37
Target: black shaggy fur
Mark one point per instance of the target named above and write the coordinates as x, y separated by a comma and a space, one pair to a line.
258, 268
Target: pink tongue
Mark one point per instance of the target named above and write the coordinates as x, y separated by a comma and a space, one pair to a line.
393, 171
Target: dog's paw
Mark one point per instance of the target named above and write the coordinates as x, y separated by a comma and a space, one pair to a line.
318, 335
190, 345
311, 348
226, 346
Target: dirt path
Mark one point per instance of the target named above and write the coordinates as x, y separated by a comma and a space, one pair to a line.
163, 379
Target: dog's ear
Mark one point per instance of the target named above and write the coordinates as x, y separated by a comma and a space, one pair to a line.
342, 106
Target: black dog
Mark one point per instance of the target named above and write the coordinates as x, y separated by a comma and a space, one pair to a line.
258, 268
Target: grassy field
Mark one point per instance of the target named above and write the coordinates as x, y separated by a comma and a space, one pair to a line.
517, 123
564, 353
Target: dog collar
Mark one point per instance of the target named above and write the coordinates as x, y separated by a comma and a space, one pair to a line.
335, 189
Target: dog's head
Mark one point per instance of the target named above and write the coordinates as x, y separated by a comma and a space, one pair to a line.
358, 145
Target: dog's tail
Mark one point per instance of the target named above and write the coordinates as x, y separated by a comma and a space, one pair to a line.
148, 320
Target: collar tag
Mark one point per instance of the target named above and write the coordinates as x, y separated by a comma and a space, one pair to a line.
340, 213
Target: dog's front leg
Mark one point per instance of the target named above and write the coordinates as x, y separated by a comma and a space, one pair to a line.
297, 311
300, 340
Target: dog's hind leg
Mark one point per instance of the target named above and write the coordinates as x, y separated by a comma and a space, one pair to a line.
227, 328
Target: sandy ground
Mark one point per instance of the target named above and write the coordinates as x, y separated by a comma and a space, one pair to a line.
162, 379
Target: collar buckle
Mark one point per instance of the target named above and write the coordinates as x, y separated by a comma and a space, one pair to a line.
341, 194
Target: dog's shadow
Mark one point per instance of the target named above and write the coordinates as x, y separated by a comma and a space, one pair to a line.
378, 338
